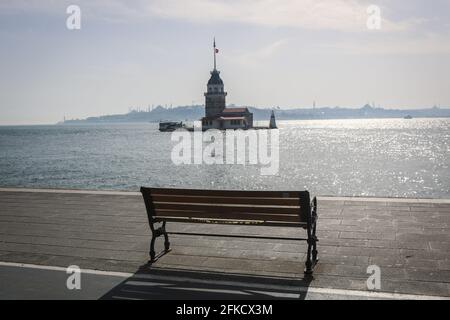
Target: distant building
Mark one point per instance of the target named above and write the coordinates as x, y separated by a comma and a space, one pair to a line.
217, 115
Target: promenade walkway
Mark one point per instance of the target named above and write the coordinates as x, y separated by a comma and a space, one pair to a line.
409, 239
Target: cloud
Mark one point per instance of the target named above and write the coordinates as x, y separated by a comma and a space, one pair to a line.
414, 32
341, 15
426, 44
256, 56
338, 15
311, 14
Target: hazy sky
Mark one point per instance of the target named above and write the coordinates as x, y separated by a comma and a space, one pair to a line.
284, 53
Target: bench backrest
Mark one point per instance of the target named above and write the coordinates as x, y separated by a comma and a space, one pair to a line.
262, 207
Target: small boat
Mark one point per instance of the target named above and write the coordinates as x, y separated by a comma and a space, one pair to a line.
408, 117
169, 126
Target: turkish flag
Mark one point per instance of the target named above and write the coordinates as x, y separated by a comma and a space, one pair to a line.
217, 50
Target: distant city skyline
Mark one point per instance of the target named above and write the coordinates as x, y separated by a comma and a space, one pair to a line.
194, 113
271, 53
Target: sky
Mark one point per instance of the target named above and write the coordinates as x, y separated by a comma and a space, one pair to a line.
285, 53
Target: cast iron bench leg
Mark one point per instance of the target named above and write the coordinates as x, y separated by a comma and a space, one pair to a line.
309, 263
314, 217
166, 238
152, 242
152, 249
155, 234
314, 248
311, 259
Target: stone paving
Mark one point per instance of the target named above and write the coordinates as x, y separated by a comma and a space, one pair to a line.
408, 239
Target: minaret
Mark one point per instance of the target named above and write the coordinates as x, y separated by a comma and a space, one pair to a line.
215, 95
272, 124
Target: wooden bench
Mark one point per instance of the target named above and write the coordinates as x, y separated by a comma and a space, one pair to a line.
261, 208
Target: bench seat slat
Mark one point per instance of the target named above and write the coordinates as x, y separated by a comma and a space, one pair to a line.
228, 193
159, 213
240, 222
224, 209
226, 200
222, 221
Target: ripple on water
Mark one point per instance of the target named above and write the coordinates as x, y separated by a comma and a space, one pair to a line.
376, 157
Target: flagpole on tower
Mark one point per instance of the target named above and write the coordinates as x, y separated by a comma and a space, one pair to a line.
214, 53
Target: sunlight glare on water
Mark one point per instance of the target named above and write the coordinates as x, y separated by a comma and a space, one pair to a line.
375, 157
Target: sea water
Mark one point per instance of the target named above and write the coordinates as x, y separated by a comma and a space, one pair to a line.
371, 157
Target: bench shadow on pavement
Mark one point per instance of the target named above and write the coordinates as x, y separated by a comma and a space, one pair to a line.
157, 283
